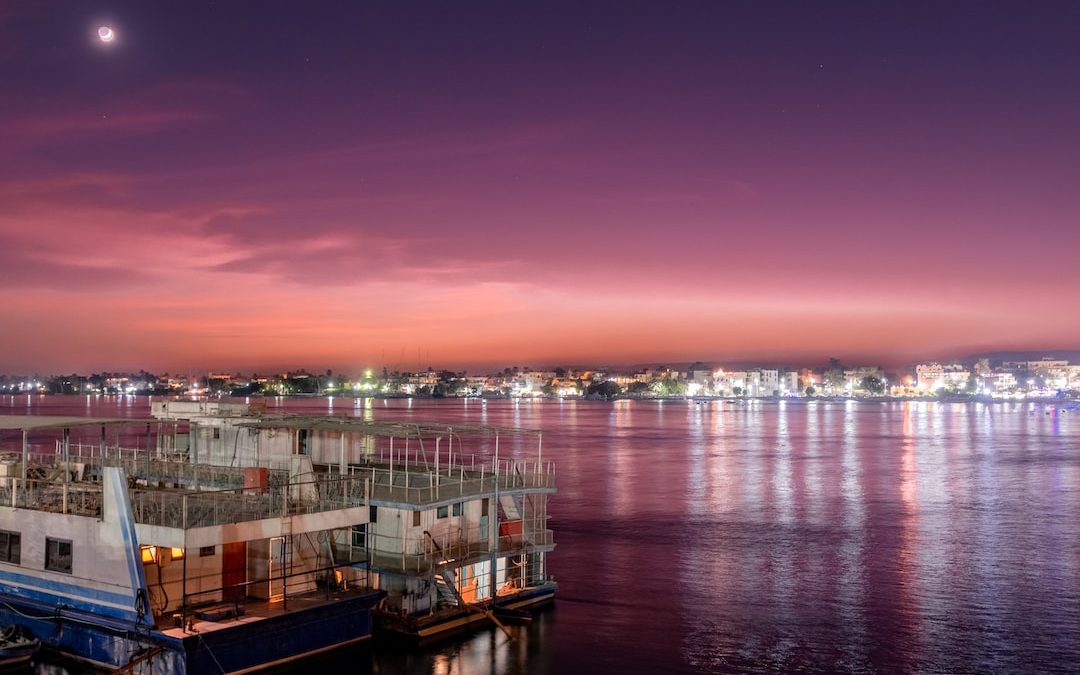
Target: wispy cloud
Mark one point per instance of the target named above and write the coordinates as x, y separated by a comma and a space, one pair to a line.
125, 122
148, 110
63, 188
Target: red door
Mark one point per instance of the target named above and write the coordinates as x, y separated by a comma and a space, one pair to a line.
233, 571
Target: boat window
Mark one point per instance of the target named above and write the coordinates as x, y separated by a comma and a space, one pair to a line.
416, 518
442, 512
359, 536
458, 507
207, 551
373, 514
484, 508
10, 547
58, 555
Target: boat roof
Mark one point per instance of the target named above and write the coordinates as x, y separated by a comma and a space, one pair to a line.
383, 428
31, 422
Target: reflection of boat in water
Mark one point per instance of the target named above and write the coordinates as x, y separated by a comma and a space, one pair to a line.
511, 615
15, 647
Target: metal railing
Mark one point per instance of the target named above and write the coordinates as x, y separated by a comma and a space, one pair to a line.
188, 509
417, 486
138, 465
456, 547
327, 586
83, 499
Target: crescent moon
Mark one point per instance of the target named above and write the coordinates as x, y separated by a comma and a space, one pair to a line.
105, 34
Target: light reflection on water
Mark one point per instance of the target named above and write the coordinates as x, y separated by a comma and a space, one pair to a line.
761, 536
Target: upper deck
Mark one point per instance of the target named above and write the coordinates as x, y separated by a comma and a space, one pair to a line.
349, 462
190, 509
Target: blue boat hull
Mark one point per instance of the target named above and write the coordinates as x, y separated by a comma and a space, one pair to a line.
234, 648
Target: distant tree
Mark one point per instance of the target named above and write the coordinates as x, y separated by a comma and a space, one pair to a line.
250, 389
302, 385
62, 385
605, 389
738, 391
834, 374
673, 387
810, 391
873, 384
560, 373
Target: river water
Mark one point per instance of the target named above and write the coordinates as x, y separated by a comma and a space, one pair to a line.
764, 536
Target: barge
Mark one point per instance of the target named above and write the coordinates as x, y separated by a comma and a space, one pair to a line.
458, 523
136, 561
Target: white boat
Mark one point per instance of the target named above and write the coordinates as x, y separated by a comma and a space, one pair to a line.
121, 557
458, 519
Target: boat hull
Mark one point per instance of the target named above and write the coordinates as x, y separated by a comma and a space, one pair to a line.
237, 646
445, 624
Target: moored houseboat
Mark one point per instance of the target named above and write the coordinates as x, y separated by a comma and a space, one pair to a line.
458, 524
127, 559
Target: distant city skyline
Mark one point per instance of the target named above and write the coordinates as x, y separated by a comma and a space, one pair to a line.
1021, 377
217, 186
359, 369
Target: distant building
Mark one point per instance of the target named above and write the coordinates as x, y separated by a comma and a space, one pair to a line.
736, 383
701, 375
789, 383
929, 377
1004, 382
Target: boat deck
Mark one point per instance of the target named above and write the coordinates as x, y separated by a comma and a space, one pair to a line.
256, 610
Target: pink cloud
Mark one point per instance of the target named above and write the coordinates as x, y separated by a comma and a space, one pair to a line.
107, 117
125, 122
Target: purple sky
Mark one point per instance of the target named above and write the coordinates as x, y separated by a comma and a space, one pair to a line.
267, 186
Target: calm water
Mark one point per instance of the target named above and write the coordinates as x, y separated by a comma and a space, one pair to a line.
762, 536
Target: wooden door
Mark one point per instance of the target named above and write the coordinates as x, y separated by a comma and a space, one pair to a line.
233, 571
277, 569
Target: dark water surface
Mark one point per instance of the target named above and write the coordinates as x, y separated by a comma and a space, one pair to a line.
775, 537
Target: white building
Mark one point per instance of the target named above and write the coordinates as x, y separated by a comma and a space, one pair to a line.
929, 377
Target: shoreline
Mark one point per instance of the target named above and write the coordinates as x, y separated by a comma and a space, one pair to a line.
1066, 401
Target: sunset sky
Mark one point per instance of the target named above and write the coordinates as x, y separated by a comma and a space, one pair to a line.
274, 185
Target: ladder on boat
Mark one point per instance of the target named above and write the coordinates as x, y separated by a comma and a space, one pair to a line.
446, 585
